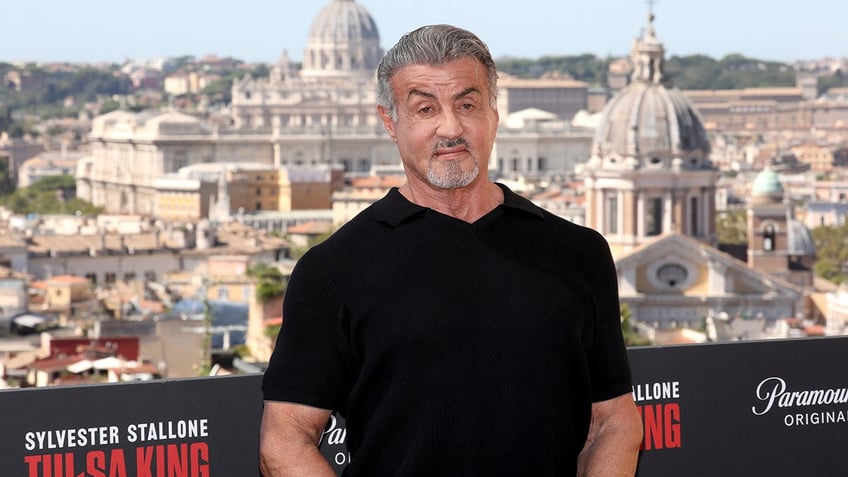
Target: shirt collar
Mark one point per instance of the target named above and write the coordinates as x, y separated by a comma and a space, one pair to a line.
394, 208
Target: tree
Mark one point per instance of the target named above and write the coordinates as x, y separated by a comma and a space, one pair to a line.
831, 252
220, 90
628, 329
7, 184
840, 155
732, 227
51, 195
835, 80
270, 281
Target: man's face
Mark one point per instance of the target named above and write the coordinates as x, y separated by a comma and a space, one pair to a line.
445, 126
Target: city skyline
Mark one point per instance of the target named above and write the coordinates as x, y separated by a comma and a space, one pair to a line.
102, 31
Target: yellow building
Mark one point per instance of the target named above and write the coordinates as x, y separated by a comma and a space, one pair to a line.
819, 155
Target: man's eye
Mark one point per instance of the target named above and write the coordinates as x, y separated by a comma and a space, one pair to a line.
425, 110
467, 106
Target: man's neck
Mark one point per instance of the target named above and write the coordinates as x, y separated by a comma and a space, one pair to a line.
468, 203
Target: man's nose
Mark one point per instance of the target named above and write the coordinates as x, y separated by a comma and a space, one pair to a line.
450, 125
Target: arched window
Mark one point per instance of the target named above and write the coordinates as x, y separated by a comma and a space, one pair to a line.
768, 238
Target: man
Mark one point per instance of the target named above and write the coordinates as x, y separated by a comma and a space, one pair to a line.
460, 329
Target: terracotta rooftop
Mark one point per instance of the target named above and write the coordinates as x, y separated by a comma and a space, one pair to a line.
68, 279
84, 243
311, 228
378, 181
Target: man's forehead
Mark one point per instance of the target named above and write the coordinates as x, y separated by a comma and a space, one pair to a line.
459, 74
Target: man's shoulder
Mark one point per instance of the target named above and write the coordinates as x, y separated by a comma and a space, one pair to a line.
560, 227
366, 226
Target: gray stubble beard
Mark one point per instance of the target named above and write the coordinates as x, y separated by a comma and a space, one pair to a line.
453, 176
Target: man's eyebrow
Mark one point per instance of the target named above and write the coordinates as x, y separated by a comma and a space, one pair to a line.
466, 92
418, 92
463, 93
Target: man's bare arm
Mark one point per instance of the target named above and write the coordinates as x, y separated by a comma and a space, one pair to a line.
288, 440
615, 434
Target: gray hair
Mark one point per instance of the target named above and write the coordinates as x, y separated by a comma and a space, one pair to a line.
432, 45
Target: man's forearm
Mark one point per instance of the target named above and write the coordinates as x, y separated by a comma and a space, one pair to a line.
609, 456
288, 441
294, 462
615, 435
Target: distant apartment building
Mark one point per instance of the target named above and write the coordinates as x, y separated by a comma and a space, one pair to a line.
536, 143
67, 296
129, 152
22, 80
47, 164
18, 150
145, 78
818, 154
106, 257
13, 295
752, 109
362, 192
227, 278
186, 83
253, 190
183, 199
830, 110
555, 94
828, 205
177, 84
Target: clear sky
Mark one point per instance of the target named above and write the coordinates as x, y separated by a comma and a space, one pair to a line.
259, 30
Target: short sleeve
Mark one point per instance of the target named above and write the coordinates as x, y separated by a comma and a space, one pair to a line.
311, 363
607, 356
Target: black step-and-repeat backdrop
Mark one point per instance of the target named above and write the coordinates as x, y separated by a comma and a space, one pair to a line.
180, 428
770, 408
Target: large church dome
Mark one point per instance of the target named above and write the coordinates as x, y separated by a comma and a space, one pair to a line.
343, 42
650, 124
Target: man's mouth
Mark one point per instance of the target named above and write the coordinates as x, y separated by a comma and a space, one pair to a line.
446, 151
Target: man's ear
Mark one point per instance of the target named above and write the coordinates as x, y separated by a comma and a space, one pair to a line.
387, 122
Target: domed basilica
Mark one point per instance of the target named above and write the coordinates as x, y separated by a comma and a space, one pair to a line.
333, 89
650, 172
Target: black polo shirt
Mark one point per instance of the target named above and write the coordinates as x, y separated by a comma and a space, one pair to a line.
454, 348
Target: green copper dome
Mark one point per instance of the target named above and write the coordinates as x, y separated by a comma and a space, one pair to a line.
767, 183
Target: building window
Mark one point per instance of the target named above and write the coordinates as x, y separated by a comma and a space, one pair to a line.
180, 160
92, 278
654, 216
111, 278
768, 238
693, 216
611, 225
223, 293
672, 274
